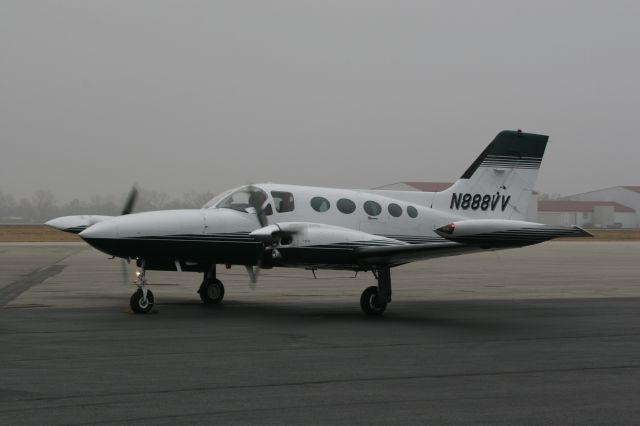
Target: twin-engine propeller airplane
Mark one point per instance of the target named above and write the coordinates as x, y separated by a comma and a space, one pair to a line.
270, 225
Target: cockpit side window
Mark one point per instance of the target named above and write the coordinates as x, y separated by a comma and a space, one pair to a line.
247, 199
283, 201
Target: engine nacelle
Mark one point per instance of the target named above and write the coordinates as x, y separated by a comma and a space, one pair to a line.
489, 233
305, 234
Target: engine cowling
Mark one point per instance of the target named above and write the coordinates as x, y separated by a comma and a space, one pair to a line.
305, 234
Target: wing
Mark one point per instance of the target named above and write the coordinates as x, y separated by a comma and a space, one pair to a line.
469, 236
325, 246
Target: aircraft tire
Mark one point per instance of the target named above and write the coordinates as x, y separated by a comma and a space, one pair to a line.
369, 303
211, 292
138, 305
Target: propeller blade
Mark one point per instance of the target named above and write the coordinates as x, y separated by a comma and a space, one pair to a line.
256, 273
131, 201
257, 200
253, 275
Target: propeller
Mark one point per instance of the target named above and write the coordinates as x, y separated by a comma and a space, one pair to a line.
131, 201
257, 201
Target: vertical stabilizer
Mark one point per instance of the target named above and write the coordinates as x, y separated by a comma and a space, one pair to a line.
499, 183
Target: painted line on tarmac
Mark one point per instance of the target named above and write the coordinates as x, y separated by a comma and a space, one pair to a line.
16, 288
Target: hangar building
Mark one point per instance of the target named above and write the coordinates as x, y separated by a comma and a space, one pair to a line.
627, 196
587, 214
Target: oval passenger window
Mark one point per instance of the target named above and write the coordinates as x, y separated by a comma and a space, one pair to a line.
395, 210
320, 204
346, 206
372, 208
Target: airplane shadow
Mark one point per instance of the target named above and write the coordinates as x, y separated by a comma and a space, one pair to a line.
470, 315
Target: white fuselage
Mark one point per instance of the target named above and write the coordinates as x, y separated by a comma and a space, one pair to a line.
221, 235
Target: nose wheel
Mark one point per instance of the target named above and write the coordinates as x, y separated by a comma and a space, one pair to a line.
141, 301
141, 304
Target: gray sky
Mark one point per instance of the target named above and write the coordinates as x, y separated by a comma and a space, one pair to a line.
186, 96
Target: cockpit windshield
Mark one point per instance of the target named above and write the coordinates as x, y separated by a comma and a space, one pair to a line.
246, 199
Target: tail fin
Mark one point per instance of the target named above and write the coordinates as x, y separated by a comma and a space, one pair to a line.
500, 182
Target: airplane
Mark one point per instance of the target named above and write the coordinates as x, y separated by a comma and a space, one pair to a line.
272, 225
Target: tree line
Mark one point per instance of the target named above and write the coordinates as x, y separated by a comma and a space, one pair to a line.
42, 205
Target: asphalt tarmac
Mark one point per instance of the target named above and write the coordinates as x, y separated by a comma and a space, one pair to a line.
541, 335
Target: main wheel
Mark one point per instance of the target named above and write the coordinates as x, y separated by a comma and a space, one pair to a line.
369, 302
211, 292
138, 304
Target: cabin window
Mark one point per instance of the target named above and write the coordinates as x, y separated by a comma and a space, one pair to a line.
283, 201
412, 211
372, 208
346, 206
395, 210
320, 204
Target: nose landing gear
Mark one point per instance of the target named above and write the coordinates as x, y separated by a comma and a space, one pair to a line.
141, 301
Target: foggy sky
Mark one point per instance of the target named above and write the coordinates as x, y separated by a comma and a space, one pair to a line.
183, 96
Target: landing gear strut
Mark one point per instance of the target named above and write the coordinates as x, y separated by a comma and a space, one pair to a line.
211, 290
374, 299
141, 301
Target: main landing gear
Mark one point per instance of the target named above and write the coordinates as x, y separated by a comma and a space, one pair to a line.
211, 290
374, 299
141, 301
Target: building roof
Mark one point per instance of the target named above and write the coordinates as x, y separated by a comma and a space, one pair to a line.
579, 206
633, 188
